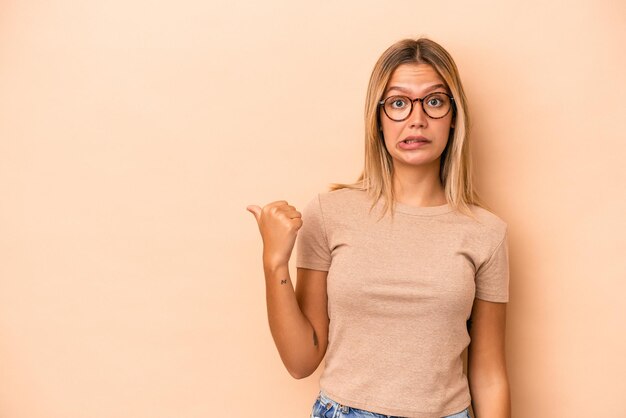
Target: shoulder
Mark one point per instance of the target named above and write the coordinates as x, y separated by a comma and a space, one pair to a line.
487, 217
489, 224
333, 202
342, 198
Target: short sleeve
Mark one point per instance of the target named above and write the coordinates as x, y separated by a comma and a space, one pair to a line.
492, 277
312, 243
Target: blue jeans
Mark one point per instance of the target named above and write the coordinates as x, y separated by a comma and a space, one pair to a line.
324, 407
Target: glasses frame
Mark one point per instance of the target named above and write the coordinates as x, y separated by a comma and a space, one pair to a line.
421, 100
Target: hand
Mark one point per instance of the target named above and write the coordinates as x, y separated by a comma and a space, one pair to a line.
278, 223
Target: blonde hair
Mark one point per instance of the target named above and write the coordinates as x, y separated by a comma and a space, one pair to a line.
455, 169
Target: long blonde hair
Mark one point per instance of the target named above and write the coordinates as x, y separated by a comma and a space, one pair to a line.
455, 169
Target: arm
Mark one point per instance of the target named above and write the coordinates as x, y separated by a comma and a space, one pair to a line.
487, 373
299, 324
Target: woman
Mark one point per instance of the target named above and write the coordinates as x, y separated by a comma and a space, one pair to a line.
388, 299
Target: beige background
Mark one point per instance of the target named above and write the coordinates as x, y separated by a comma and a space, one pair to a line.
134, 134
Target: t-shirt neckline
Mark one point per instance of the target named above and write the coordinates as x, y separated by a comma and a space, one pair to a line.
422, 210
417, 210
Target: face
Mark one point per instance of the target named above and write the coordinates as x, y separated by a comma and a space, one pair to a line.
413, 81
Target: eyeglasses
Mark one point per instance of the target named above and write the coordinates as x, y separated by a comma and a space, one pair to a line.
436, 106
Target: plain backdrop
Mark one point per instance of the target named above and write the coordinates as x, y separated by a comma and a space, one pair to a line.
133, 134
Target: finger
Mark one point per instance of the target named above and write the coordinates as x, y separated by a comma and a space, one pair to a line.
255, 210
277, 203
286, 208
293, 214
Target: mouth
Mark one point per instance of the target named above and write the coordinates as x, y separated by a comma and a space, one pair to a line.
414, 139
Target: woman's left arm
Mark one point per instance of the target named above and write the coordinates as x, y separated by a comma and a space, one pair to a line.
486, 369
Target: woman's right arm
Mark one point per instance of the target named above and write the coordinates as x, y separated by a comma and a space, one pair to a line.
298, 319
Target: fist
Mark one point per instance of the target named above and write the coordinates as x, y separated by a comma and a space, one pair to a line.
278, 224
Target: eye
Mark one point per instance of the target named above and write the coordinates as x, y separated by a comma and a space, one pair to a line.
398, 102
436, 100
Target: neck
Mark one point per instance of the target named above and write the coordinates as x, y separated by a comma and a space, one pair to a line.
418, 185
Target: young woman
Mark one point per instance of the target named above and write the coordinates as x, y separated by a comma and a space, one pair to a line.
399, 272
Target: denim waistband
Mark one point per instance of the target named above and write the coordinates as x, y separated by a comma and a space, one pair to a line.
328, 403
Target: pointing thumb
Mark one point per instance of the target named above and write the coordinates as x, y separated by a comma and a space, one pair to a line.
255, 210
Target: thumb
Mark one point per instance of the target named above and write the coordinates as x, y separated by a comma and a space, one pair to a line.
255, 210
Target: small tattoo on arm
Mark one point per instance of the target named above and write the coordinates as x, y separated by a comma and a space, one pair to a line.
283, 281
314, 338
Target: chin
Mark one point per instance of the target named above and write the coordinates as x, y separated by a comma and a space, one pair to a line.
417, 161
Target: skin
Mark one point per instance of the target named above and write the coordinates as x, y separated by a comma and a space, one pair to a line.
416, 172
486, 362
416, 182
298, 320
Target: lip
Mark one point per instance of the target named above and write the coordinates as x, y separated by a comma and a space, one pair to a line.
421, 142
418, 137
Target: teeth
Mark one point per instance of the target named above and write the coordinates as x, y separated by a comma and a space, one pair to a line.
410, 141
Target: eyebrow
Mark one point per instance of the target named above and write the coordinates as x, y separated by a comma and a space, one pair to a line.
405, 90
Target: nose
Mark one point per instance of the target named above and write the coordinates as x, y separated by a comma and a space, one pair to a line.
418, 116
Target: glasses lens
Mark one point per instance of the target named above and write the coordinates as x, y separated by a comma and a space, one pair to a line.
397, 107
436, 105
